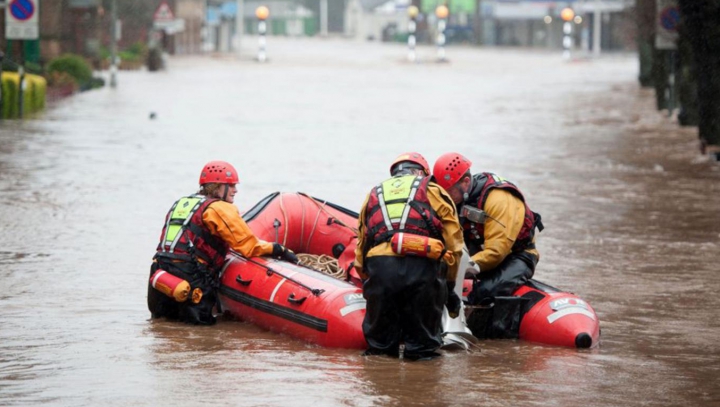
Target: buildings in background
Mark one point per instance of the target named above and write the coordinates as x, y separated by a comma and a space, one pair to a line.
83, 26
525, 23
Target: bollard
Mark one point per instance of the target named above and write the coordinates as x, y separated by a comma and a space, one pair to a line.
21, 88
670, 89
441, 12
412, 26
567, 14
262, 14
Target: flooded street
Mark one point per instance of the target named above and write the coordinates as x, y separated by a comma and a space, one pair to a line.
630, 209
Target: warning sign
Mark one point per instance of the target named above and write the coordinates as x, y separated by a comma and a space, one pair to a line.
163, 13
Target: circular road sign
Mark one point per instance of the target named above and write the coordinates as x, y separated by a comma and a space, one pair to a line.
669, 18
22, 10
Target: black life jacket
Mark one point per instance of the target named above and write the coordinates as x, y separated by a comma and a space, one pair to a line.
474, 233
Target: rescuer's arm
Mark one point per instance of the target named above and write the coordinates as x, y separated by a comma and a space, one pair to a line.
224, 221
452, 233
358, 264
508, 215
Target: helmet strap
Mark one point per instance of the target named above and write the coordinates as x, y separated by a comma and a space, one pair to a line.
466, 193
225, 194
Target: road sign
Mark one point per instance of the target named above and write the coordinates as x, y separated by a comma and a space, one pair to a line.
666, 24
170, 27
21, 20
163, 13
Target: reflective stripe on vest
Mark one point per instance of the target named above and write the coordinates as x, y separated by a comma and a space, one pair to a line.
400, 204
394, 196
180, 215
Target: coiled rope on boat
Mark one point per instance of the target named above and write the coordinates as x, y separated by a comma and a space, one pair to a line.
322, 263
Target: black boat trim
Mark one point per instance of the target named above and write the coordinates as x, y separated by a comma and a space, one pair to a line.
271, 308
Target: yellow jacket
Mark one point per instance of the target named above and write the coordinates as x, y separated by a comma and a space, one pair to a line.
500, 234
441, 202
224, 221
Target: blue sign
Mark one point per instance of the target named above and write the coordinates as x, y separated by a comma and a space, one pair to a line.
669, 18
22, 10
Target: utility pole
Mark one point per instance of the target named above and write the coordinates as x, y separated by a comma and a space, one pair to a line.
113, 44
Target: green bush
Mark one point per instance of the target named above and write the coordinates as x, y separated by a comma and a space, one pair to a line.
97, 83
134, 53
104, 53
129, 56
33, 67
74, 65
139, 48
30, 67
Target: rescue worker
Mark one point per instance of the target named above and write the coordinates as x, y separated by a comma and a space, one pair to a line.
406, 289
498, 227
199, 230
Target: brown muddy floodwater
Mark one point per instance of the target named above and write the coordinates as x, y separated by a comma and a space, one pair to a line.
631, 212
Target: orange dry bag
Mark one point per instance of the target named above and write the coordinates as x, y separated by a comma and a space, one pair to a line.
415, 245
170, 285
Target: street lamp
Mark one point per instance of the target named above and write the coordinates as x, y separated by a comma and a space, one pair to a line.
441, 12
262, 13
412, 26
567, 14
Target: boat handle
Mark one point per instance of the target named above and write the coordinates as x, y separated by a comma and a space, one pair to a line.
296, 301
242, 282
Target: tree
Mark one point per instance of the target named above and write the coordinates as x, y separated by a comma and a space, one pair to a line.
700, 24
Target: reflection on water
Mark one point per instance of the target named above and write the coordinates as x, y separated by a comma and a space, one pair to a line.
630, 209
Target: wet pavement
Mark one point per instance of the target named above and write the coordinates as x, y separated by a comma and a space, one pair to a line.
630, 208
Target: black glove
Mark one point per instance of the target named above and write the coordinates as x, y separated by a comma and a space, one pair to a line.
283, 253
453, 301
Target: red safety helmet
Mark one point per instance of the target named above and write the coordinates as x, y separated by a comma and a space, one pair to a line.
218, 172
411, 157
449, 168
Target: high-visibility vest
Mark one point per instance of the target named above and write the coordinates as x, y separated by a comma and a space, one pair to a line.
185, 237
400, 205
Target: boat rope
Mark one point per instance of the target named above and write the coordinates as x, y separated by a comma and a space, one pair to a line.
317, 217
271, 271
323, 263
333, 217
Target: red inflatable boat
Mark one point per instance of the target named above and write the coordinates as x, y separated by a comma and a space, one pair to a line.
292, 299
551, 316
328, 311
